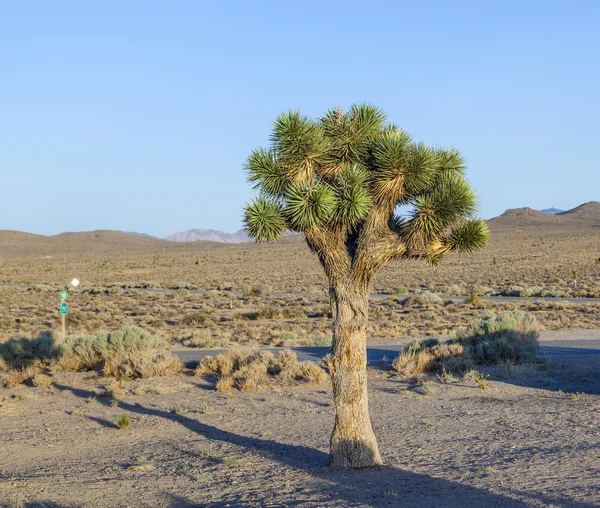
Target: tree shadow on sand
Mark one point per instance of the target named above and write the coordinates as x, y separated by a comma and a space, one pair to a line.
382, 486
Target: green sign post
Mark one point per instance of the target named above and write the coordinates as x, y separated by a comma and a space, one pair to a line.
64, 310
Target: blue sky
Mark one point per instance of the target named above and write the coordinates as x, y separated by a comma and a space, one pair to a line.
138, 115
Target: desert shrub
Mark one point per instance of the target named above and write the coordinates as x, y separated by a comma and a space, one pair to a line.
224, 384
16, 377
182, 294
429, 355
127, 352
293, 313
272, 312
510, 336
414, 364
423, 299
473, 299
477, 377
321, 341
401, 290
512, 370
200, 338
123, 421
512, 291
310, 372
249, 370
195, 318
415, 346
455, 289
24, 352
284, 336
250, 316
252, 292
41, 381
482, 290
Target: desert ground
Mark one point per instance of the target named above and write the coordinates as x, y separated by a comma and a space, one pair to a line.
277, 294
524, 441
526, 436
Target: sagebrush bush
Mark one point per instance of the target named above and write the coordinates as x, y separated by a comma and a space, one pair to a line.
511, 336
127, 352
24, 352
424, 298
249, 370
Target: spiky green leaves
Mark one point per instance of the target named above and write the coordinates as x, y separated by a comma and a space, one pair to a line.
451, 197
402, 170
354, 198
264, 220
299, 144
451, 160
390, 156
351, 135
337, 172
448, 201
309, 204
471, 236
265, 173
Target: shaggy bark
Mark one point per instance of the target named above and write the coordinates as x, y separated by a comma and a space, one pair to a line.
353, 442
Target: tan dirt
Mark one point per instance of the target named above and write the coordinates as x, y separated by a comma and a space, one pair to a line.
530, 442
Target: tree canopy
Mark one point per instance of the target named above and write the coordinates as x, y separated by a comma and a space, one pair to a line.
341, 180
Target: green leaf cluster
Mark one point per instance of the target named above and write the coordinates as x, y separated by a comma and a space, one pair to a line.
343, 169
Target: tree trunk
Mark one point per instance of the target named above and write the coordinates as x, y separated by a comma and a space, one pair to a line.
353, 443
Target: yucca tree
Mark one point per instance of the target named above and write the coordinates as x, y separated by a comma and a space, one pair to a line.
340, 180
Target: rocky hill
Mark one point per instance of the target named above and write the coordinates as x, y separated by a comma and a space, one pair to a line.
583, 216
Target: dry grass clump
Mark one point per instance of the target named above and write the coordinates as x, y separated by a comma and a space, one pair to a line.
508, 338
423, 356
512, 370
249, 370
41, 381
203, 338
195, 318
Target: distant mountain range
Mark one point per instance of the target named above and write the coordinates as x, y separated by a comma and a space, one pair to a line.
209, 235
516, 216
582, 217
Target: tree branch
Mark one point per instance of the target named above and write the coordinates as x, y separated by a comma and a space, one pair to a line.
328, 244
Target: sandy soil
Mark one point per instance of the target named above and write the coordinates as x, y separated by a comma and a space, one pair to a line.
528, 442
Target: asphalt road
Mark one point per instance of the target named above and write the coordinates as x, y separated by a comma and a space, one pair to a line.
552, 344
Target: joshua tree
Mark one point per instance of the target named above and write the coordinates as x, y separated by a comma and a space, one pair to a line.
339, 180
